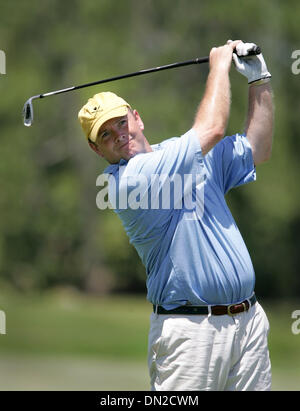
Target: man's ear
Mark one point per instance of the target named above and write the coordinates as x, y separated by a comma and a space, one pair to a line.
95, 148
138, 119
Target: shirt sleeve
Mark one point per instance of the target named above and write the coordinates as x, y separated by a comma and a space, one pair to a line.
231, 162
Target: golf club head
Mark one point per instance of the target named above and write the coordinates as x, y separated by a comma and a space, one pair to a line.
28, 112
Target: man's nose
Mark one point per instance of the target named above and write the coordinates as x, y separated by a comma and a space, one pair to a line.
119, 137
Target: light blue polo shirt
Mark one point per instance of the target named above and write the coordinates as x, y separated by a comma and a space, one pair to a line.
172, 206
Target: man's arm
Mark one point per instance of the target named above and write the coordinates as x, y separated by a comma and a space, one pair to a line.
259, 125
213, 112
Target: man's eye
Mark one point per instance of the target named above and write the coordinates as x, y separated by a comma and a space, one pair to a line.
123, 122
105, 134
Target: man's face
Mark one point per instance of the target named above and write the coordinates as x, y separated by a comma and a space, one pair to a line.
121, 137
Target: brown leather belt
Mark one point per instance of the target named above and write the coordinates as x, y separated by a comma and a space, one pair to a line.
231, 309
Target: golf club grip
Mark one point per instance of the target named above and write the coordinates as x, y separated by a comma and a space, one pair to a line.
254, 52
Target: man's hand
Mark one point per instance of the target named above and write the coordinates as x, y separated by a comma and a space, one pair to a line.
252, 67
221, 57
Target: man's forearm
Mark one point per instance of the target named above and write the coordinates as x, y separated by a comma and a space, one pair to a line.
259, 125
213, 112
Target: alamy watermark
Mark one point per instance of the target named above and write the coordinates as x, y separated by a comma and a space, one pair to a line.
2, 62
155, 192
296, 324
296, 64
2, 322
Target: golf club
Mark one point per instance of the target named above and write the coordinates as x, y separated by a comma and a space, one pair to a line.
28, 107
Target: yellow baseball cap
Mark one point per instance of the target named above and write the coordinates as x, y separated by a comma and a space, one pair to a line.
100, 108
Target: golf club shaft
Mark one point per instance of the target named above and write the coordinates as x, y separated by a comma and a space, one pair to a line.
198, 60
136, 73
28, 108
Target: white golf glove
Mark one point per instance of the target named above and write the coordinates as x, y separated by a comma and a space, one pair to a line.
253, 67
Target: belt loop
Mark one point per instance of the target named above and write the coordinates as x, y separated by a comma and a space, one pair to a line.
156, 308
209, 311
249, 302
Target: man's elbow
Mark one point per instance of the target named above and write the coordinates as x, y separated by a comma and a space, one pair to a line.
262, 157
219, 132
209, 136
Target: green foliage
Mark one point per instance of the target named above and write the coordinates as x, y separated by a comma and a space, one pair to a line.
51, 232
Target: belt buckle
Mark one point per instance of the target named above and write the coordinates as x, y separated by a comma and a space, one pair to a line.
232, 305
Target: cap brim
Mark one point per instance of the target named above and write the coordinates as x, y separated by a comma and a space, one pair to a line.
116, 112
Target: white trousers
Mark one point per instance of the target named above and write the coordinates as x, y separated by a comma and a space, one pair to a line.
211, 353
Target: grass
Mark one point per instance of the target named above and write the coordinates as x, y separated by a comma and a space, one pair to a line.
20, 372
71, 324
67, 341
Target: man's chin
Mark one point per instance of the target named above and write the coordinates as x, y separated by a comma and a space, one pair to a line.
128, 153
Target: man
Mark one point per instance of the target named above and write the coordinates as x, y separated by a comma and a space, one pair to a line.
207, 330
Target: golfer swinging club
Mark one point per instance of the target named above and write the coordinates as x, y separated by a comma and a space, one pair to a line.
207, 330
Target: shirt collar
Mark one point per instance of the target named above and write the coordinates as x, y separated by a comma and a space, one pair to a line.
112, 168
